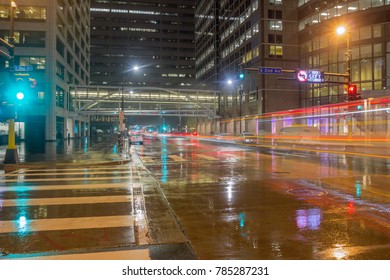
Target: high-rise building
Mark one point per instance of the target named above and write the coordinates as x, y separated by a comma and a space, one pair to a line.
234, 37
156, 36
207, 44
51, 39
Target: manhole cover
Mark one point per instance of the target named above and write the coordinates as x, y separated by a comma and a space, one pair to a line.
306, 192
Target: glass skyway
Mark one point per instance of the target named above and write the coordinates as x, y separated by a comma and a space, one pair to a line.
106, 100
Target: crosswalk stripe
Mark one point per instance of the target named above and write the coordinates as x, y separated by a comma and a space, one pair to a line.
64, 200
135, 254
176, 158
63, 168
206, 157
25, 225
124, 185
147, 159
60, 179
67, 173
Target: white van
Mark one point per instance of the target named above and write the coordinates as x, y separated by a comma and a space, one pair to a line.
298, 134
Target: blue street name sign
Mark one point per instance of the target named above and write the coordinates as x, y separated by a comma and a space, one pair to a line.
270, 70
19, 68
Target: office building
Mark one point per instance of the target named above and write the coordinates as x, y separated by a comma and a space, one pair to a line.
156, 36
363, 51
52, 46
241, 36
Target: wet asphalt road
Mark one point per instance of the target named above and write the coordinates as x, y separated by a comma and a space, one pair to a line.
186, 199
239, 202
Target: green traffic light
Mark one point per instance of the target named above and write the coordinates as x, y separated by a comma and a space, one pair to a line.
242, 76
20, 96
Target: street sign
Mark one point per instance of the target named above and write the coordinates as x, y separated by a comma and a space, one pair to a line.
310, 76
27, 68
270, 70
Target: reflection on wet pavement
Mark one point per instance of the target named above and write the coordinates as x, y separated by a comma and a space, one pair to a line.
240, 203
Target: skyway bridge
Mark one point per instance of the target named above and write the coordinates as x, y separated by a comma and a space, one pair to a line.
144, 101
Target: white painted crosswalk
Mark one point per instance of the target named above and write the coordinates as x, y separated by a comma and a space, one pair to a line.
47, 205
26, 225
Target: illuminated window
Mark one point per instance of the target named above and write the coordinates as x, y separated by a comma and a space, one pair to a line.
275, 25
30, 12
276, 51
38, 63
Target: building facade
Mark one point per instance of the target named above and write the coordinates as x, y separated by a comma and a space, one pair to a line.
156, 36
365, 47
52, 45
250, 34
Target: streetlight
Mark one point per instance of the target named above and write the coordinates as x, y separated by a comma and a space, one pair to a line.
341, 30
122, 109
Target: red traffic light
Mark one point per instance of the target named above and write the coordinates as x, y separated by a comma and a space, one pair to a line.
352, 89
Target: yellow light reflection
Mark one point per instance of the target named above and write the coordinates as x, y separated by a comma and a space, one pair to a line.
339, 252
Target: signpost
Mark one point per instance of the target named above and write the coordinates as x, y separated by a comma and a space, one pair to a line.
270, 70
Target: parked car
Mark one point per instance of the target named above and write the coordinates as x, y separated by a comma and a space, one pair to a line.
247, 138
298, 134
136, 139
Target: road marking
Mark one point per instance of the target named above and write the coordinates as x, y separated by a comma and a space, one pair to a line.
136, 254
65, 169
26, 225
64, 200
124, 185
176, 158
87, 172
206, 157
61, 179
147, 159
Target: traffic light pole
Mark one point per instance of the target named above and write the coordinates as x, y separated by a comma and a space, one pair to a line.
11, 153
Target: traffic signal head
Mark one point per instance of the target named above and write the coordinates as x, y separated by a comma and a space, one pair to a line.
352, 93
352, 89
241, 75
19, 91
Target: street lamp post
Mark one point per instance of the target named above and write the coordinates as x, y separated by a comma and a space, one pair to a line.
241, 93
341, 30
122, 106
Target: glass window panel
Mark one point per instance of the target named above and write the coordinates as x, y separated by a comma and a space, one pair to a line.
377, 50
323, 15
378, 85
4, 11
353, 7
377, 3
365, 33
365, 51
323, 42
366, 69
377, 31
355, 53
364, 4
341, 9
366, 86
355, 71
323, 59
316, 44
378, 68
275, 25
